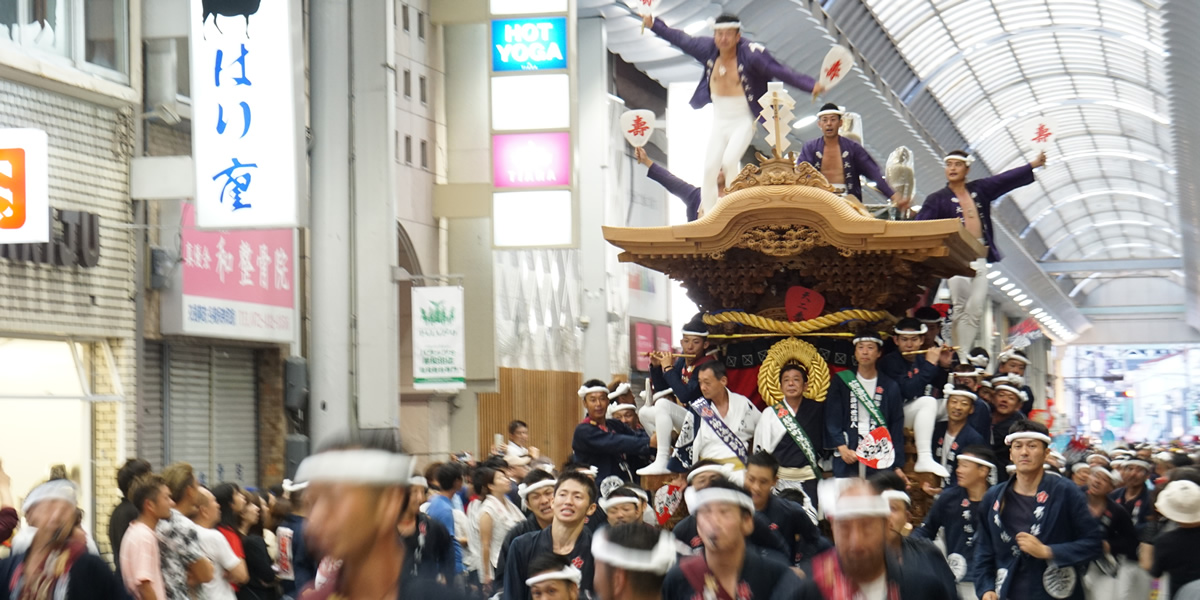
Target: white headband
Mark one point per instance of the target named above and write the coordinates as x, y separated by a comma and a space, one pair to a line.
950, 390
567, 573
524, 490
1163, 456
613, 409
291, 486
1077, 467
890, 495
987, 384
858, 507
712, 495
729, 25
922, 331
725, 469
620, 391
592, 470
979, 360
643, 494
57, 489
1115, 477
1137, 462
664, 394
657, 560
1026, 435
361, 465
1058, 455
418, 481
584, 391
868, 339
978, 461
1007, 388
1007, 356
1101, 457
966, 159
831, 111
606, 503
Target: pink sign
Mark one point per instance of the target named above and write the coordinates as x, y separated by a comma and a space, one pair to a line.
531, 160
236, 284
662, 338
643, 344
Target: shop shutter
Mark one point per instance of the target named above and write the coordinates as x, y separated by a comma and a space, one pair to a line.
150, 413
235, 415
191, 414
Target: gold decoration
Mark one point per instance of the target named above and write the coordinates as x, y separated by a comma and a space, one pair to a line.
779, 171
793, 350
782, 241
798, 327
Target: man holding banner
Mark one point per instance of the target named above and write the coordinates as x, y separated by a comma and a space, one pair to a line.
864, 415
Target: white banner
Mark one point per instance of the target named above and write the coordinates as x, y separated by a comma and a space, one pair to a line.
244, 124
438, 339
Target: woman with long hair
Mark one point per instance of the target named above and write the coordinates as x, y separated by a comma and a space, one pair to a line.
263, 584
231, 502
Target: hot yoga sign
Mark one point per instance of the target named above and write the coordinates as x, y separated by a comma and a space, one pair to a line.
529, 44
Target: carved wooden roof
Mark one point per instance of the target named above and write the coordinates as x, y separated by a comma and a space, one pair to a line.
780, 225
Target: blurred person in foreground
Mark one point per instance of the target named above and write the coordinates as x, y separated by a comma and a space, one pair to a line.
358, 490
57, 564
632, 560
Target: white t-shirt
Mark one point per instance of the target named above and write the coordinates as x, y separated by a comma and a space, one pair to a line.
873, 590
217, 549
947, 444
864, 416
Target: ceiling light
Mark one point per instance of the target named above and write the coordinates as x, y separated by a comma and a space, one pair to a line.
804, 122
1001, 281
696, 27
993, 274
1014, 291
1020, 298
1037, 311
1008, 286
1026, 302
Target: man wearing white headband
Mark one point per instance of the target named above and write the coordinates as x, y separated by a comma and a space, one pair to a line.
1006, 413
791, 520
955, 433
536, 492
764, 540
970, 377
842, 160
623, 505
1120, 539
736, 73
631, 561
603, 442
728, 568
57, 565
678, 375
575, 497
553, 578
1038, 535
1014, 364
917, 555
958, 512
971, 203
920, 377
357, 493
864, 415
1134, 496
719, 427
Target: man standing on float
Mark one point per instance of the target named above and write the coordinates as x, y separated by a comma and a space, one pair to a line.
971, 203
841, 160
734, 69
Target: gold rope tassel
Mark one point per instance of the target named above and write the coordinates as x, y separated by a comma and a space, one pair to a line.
799, 327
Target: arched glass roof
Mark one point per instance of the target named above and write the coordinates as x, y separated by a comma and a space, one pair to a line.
1095, 67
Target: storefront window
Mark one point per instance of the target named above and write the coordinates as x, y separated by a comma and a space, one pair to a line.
51, 27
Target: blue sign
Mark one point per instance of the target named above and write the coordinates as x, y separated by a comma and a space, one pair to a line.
529, 44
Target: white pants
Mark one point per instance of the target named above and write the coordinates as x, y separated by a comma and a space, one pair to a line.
661, 419
1133, 582
1099, 586
966, 590
968, 295
732, 132
921, 414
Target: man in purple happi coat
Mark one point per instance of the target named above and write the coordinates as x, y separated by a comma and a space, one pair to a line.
841, 160
685, 191
971, 203
736, 73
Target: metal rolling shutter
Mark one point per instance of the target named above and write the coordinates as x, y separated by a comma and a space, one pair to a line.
150, 413
235, 415
190, 409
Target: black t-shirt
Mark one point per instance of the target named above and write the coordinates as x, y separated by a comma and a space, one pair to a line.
429, 551
91, 578
764, 541
1175, 554
1017, 516
767, 580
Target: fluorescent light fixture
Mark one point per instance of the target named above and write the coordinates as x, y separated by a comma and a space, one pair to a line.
699, 26
527, 7
1020, 298
1008, 286
511, 97
804, 121
993, 274
532, 219
1014, 291
1001, 281
1025, 302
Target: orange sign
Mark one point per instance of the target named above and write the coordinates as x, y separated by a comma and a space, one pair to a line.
24, 186
12, 188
